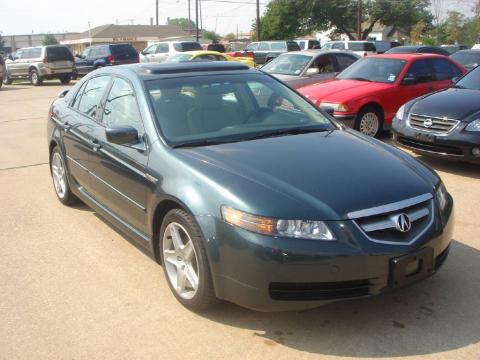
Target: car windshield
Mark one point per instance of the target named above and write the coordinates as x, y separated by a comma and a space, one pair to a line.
374, 69
201, 110
470, 81
466, 58
178, 58
287, 64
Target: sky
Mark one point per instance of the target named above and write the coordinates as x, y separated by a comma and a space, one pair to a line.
41, 16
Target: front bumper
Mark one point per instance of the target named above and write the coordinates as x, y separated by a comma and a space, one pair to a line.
456, 145
279, 274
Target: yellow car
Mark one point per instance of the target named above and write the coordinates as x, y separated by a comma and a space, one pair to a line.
208, 55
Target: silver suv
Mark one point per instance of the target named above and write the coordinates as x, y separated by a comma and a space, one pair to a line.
40, 63
159, 52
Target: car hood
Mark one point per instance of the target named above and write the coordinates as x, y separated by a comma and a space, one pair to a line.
341, 90
320, 175
453, 103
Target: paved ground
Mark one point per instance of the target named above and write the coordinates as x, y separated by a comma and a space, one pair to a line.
71, 287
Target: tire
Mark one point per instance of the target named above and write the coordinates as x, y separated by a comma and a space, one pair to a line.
59, 174
7, 80
185, 255
65, 79
369, 121
35, 78
1, 83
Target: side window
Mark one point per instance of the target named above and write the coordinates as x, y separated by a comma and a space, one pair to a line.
251, 47
150, 50
78, 96
338, 46
206, 57
325, 64
103, 51
442, 69
263, 46
92, 95
221, 58
26, 54
301, 44
86, 52
121, 108
162, 48
422, 70
344, 61
93, 53
18, 55
455, 71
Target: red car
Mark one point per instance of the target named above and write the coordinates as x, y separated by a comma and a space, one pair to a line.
368, 93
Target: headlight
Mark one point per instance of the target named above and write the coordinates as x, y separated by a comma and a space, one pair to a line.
473, 126
442, 196
335, 107
400, 113
305, 229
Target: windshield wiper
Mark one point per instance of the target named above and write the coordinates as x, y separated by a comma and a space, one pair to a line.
205, 142
283, 132
359, 79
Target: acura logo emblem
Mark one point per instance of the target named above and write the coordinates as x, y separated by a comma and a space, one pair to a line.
427, 123
403, 223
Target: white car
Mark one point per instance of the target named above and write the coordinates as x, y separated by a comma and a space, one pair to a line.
159, 52
476, 46
361, 48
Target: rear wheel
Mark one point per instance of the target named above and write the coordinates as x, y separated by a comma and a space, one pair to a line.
369, 121
65, 79
35, 78
59, 174
185, 261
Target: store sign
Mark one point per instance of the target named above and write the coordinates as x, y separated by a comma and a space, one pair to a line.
125, 38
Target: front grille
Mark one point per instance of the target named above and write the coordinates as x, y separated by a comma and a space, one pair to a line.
383, 225
318, 291
431, 124
430, 147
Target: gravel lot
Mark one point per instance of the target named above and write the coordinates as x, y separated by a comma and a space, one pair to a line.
71, 287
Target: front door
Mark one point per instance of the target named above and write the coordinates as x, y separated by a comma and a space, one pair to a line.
119, 179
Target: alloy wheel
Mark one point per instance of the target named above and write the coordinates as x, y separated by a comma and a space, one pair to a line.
369, 124
180, 260
58, 175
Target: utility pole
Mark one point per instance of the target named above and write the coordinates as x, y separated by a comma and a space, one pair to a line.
201, 23
196, 20
359, 20
189, 20
156, 11
258, 20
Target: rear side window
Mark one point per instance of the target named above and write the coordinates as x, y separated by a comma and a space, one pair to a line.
91, 95
292, 46
338, 46
121, 107
162, 49
344, 61
422, 70
443, 70
263, 46
101, 51
187, 46
124, 50
34, 53
59, 53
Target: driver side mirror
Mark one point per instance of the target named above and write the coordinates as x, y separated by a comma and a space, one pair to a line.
11, 57
312, 71
409, 80
122, 135
455, 79
329, 110
80, 56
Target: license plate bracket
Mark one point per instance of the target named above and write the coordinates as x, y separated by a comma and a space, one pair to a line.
401, 272
425, 137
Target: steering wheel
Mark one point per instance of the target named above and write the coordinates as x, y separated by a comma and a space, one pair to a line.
259, 115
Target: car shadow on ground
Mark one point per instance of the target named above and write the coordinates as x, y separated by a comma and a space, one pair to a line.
453, 167
433, 316
26, 84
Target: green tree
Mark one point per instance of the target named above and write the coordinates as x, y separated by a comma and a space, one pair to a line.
291, 18
230, 37
183, 23
454, 27
211, 35
49, 39
471, 31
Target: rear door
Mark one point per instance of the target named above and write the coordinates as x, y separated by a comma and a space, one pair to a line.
82, 62
261, 52
162, 52
423, 72
119, 181
444, 72
15, 64
78, 140
23, 64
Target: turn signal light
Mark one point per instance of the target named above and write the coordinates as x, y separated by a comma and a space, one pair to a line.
246, 221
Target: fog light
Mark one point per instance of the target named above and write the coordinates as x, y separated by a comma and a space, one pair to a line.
476, 152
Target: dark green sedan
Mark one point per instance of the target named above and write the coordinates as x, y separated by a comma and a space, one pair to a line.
242, 189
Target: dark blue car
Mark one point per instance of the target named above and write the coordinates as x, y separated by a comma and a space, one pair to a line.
242, 189
97, 56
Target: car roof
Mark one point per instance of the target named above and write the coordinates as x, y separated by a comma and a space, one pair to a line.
320, 51
148, 71
406, 56
471, 51
202, 52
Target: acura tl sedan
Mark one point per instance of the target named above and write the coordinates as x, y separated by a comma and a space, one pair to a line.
444, 124
242, 189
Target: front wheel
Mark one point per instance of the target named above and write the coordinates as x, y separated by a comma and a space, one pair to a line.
369, 121
185, 261
35, 78
7, 80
